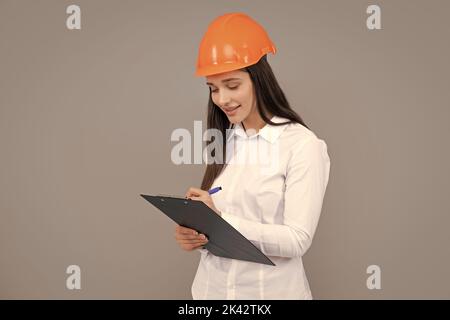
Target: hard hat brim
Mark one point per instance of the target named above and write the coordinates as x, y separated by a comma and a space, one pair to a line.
226, 67
211, 70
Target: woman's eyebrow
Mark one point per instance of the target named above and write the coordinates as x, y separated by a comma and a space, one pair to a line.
225, 80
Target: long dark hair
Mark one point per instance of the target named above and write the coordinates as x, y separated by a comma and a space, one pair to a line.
270, 100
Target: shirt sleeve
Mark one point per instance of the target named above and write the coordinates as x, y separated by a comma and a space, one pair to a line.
307, 176
202, 250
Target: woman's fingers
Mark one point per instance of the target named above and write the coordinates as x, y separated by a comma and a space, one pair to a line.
199, 237
189, 239
179, 236
195, 192
193, 242
200, 198
183, 234
184, 230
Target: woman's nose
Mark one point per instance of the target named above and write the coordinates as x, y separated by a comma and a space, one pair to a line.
224, 98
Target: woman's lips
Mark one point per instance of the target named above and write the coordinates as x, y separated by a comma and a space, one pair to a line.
232, 111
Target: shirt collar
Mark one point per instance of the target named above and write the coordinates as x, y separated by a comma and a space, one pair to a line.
269, 132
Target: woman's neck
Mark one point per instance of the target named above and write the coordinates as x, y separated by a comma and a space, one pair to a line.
254, 122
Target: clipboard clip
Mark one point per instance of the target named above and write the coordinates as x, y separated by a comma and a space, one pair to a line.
171, 196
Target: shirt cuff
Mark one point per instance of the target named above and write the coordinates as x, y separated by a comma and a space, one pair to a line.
202, 250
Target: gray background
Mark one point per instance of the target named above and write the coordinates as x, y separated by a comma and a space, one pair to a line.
86, 118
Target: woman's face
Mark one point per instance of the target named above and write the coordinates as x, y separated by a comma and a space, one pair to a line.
233, 93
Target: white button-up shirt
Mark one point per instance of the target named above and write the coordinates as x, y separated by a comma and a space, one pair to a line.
273, 187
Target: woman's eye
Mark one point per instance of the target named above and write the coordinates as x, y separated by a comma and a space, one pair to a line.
231, 88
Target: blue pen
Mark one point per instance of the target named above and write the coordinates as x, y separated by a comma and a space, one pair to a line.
214, 190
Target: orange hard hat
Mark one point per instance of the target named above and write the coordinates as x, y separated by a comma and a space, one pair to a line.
232, 41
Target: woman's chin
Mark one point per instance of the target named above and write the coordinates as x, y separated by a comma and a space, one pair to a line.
235, 119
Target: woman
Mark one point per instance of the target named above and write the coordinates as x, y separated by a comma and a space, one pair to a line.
277, 209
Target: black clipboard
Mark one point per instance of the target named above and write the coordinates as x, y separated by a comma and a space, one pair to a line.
223, 240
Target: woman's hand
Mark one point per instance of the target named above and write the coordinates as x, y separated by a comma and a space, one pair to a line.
189, 239
202, 195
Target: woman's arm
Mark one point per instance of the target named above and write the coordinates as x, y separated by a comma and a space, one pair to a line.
306, 182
